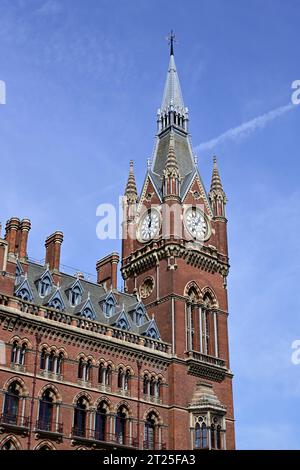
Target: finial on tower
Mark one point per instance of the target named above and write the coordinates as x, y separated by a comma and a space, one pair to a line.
216, 194
171, 41
131, 189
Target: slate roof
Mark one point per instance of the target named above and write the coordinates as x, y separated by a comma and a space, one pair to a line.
95, 292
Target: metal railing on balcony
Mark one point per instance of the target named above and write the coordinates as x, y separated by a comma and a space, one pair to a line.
150, 445
198, 356
49, 426
14, 420
100, 436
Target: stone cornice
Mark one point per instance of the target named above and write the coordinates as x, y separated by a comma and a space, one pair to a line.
12, 318
200, 256
181, 298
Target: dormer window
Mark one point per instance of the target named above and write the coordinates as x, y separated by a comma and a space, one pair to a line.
87, 310
45, 286
75, 296
139, 316
152, 330
24, 294
123, 324
56, 301
109, 306
74, 293
24, 291
88, 313
19, 274
152, 333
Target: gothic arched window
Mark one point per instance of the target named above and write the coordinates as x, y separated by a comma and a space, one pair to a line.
146, 385
201, 436
152, 386
88, 373
80, 417
44, 447
101, 374
108, 376
51, 361
14, 352
121, 425
158, 388
22, 354
43, 359
9, 445
120, 377
59, 363
101, 422
212, 436
150, 432
219, 441
11, 403
45, 420
127, 380
80, 368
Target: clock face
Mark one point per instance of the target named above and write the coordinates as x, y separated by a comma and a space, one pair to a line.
149, 225
196, 223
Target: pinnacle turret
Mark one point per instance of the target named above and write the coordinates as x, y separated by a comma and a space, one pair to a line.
131, 189
217, 195
171, 174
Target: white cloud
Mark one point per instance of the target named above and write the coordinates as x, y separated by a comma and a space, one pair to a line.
246, 128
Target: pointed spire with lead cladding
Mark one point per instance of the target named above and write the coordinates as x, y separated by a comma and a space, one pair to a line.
217, 195
131, 190
172, 110
172, 97
173, 117
171, 174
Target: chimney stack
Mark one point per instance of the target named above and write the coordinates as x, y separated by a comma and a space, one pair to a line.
53, 247
107, 270
24, 231
12, 234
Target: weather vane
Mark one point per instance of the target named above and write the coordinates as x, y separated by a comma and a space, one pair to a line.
171, 40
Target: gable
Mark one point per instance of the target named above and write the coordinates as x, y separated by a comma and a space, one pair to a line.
195, 193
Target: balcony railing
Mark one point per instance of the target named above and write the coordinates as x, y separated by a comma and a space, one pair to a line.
198, 356
103, 437
14, 420
48, 427
148, 445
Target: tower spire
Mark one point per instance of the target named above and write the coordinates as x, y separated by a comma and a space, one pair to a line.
131, 190
172, 97
172, 39
217, 195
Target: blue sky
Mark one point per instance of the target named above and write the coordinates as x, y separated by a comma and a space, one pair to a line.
84, 81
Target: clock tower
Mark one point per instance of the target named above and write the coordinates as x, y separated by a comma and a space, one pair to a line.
175, 259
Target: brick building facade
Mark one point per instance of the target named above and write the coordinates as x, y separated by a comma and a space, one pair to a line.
86, 366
